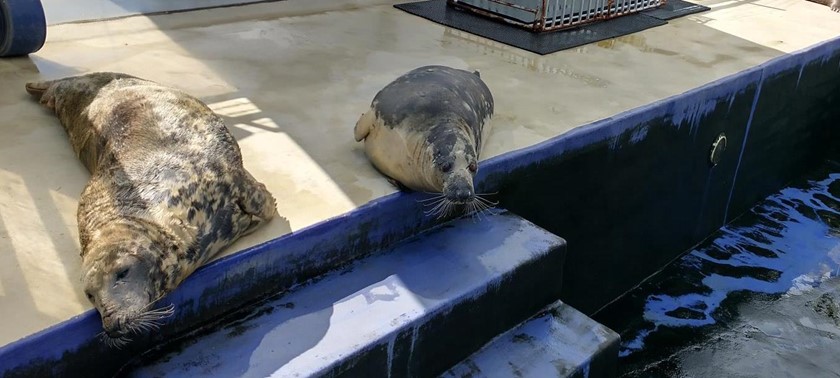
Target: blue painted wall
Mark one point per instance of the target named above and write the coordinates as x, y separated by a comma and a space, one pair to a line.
633, 192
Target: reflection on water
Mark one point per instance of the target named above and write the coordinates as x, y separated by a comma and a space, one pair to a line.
775, 265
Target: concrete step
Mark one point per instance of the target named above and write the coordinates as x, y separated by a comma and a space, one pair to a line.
558, 342
414, 310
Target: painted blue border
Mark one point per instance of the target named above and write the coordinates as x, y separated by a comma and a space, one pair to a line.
277, 264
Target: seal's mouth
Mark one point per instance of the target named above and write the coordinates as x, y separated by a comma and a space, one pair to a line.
441, 205
119, 331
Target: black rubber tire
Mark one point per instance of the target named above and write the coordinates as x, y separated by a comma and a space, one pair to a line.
23, 27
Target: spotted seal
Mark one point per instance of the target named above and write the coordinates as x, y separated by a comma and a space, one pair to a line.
425, 130
167, 191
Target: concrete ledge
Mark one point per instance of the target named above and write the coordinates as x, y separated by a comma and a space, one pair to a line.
231, 282
560, 342
413, 311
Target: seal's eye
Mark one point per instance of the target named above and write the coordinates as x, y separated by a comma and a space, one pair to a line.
472, 167
446, 167
122, 273
89, 296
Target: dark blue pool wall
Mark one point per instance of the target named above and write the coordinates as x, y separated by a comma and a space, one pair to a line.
628, 193
643, 190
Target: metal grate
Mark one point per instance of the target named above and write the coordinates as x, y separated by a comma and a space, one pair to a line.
545, 15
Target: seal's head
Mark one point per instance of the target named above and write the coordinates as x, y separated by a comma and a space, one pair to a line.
451, 168
123, 279
424, 131
453, 161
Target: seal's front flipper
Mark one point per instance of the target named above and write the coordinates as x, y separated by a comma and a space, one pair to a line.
399, 185
363, 125
256, 201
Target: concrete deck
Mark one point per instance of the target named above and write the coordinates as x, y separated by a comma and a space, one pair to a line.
292, 77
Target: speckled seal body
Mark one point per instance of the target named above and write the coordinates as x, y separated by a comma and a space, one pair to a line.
425, 130
167, 191
834, 5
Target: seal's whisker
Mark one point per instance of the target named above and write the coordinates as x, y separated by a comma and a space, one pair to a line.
115, 342
149, 320
168, 310
147, 326
479, 206
484, 209
431, 199
486, 201
440, 210
486, 194
447, 209
152, 303
151, 317
121, 342
433, 210
163, 311
435, 205
438, 207
475, 211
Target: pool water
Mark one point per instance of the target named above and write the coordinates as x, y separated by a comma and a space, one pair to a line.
759, 298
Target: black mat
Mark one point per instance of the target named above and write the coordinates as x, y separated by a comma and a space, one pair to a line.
546, 42
675, 8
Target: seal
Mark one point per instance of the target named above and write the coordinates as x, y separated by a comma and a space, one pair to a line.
425, 130
834, 5
167, 191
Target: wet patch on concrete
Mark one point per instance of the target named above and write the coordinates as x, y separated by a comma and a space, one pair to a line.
759, 297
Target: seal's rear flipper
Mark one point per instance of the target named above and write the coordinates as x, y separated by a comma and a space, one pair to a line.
477, 73
43, 91
37, 88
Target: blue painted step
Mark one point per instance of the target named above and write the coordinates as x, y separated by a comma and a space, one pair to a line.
414, 310
559, 342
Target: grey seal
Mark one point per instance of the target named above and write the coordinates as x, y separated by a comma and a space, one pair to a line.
167, 191
834, 5
425, 131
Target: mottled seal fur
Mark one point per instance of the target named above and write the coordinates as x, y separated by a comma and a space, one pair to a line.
425, 132
834, 5
167, 191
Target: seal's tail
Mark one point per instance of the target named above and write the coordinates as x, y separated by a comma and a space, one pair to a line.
477, 73
37, 88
